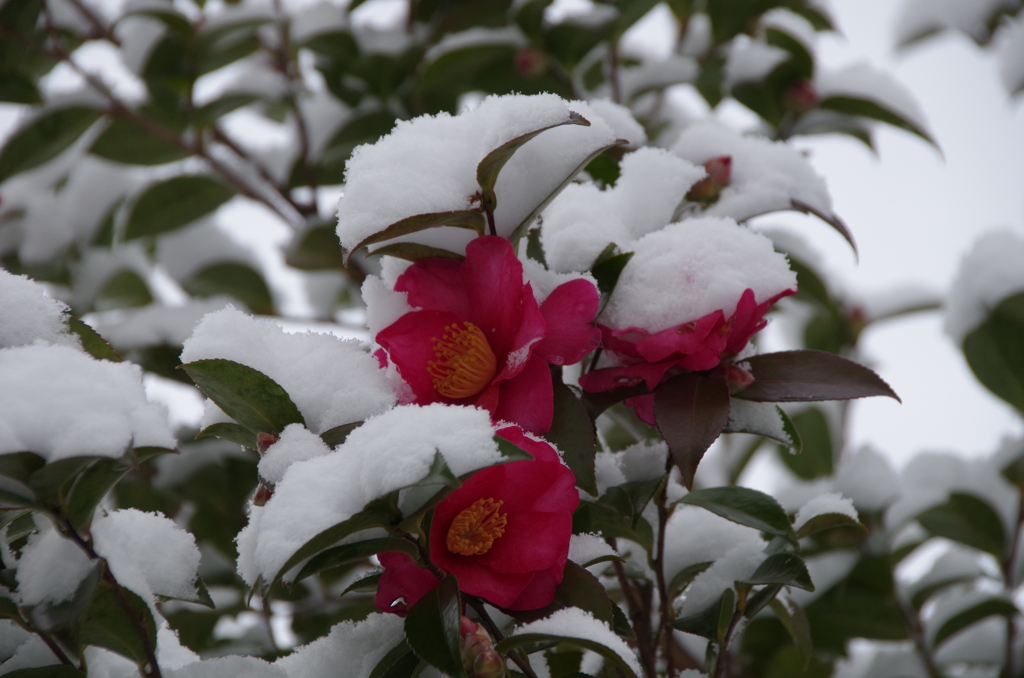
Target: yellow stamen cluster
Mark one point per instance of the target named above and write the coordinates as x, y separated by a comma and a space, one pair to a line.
475, 528
465, 362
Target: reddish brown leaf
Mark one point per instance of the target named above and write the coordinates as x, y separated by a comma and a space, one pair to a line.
691, 410
801, 376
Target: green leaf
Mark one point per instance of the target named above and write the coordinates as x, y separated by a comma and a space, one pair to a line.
399, 662
510, 451
108, 624
783, 568
367, 584
995, 352
793, 617
211, 112
125, 142
124, 289
414, 251
316, 249
432, 628
712, 623
682, 578
572, 431
15, 88
873, 110
350, 553
606, 271
817, 458
20, 465
989, 607
235, 433
801, 376
233, 279
691, 411
828, 521
489, 168
468, 219
744, 506
44, 138
15, 494
89, 490
337, 435
630, 498
830, 219
249, 397
53, 482
525, 224
519, 640
171, 204
92, 342
921, 595
534, 247
969, 520
590, 517
579, 588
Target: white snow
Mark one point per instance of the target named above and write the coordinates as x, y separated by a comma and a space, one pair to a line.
751, 60
350, 650
655, 74
766, 175
186, 251
383, 304
921, 17
296, 444
428, 165
31, 654
737, 564
864, 81
58, 402
387, 453
990, 272
230, 666
1011, 54
580, 12
826, 570
148, 553
690, 269
830, 502
28, 315
583, 219
155, 324
331, 380
572, 622
866, 477
544, 281
50, 569
754, 417
584, 548
955, 563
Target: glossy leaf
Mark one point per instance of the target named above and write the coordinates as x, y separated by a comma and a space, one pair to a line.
350, 553
124, 289
793, 617
590, 517
995, 352
512, 642
488, 169
92, 342
246, 395
713, 622
235, 433
800, 376
756, 426
744, 506
691, 411
125, 142
682, 578
399, 662
171, 204
873, 110
983, 610
89, 490
607, 269
630, 498
337, 435
828, 521
969, 520
468, 219
596, 403
367, 584
783, 568
20, 465
830, 219
432, 628
44, 138
108, 624
412, 251
53, 482
817, 456
572, 431
233, 279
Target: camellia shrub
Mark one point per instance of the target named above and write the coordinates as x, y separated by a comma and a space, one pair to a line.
530, 464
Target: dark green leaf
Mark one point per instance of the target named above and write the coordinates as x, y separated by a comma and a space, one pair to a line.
873, 110
682, 578
432, 628
983, 610
350, 553
783, 568
793, 376
921, 595
233, 279
816, 458
89, 489
579, 589
995, 352
969, 520
596, 403
109, 624
828, 521
469, 219
249, 397
744, 506
171, 204
235, 433
124, 289
412, 251
620, 623
125, 142
793, 617
65, 619
512, 642
691, 411
830, 219
17, 89
590, 517
92, 342
607, 269
713, 622
399, 662
510, 451
489, 168
316, 249
367, 584
534, 248
211, 112
15, 494
44, 138
761, 599
337, 435
572, 431
630, 498
20, 465
53, 482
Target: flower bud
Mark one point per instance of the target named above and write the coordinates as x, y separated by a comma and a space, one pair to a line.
737, 378
263, 493
719, 176
801, 97
530, 62
489, 664
264, 440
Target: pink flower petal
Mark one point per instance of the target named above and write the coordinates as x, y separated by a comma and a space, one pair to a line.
435, 284
402, 583
492, 278
530, 333
540, 591
685, 339
569, 311
532, 541
528, 399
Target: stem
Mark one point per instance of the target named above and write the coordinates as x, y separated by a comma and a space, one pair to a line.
97, 25
516, 656
916, 631
645, 644
722, 662
54, 648
1009, 566
490, 222
665, 625
613, 71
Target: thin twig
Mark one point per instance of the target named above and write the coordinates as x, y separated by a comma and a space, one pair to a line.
520, 660
665, 624
722, 661
97, 24
1009, 566
613, 71
54, 648
645, 644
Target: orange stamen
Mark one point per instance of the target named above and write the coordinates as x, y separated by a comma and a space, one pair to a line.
474, 530
465, 362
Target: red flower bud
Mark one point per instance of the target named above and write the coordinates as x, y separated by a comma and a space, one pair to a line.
530, 62
737, 378
719, 176
263, 494
264, 440
801, 97
489, 664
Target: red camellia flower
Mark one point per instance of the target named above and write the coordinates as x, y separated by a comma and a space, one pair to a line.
478, 336
504, 534
696, 346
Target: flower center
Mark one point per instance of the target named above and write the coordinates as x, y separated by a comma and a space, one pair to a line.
465, 362
474, 530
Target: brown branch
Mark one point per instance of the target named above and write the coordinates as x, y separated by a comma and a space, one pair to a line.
98, 26
1009, 566
665, 624
646, 645
54, 648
